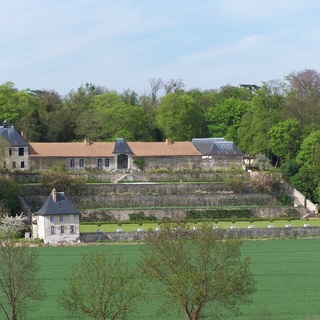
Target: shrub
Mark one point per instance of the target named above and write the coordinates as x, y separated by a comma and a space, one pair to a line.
141, 216
235, 184
285, 199
62, 181
139, 162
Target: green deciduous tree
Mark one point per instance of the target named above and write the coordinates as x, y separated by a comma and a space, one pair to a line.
179, 118
285, 139
102, 287
224, 118
19, 285
197, 270
309, 153
9, 193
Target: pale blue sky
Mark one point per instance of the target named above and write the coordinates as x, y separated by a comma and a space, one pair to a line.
121, 44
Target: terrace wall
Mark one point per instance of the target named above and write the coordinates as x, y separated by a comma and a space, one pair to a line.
288, 232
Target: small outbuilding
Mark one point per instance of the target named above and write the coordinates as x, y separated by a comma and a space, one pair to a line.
58, 221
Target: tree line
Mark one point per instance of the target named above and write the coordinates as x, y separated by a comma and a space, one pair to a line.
279, 120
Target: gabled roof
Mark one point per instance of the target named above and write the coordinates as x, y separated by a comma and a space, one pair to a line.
120, 146
107, 149
62, 205
163, 149
10, 134
215, 146
71, 149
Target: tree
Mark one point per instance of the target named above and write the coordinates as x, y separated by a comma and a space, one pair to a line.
265, 111
178, 117
285, 139
197, 269
309, 153
19, 285
12, 227
102, 287
303, 99
119, 119
9, 195
224, 118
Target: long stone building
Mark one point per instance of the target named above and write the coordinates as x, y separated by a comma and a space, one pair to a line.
204, 154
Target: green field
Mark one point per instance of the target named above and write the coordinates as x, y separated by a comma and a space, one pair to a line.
287, 271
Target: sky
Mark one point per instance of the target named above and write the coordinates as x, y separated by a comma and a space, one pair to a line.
122, 44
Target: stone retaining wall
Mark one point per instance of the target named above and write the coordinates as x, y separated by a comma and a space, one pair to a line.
249, 233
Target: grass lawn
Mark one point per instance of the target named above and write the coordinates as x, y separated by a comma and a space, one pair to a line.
287, 272
221, 224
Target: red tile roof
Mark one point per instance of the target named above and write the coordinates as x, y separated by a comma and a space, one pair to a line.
105, 149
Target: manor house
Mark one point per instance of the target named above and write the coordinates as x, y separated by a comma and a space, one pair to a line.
202, 153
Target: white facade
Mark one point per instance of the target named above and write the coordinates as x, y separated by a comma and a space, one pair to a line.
57, 228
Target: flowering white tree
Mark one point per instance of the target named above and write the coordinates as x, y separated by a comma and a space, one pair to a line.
12, 226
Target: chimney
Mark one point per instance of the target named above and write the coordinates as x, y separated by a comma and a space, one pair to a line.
87, 142
168, 142
5, 125
24, 135
54, 195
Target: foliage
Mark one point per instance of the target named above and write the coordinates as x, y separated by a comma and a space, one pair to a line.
62, 181
285, 139
309, 153
307, 182
196, 270
103, 286
19, 282
219, 213
179, 118
224, 118
234, 183
12, 226
141, 216
285, 199
139, 162
289, 168
9, 193
264, 182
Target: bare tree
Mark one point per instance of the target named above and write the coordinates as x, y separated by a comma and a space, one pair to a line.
19, 285
173, 86
102, 287
156, 85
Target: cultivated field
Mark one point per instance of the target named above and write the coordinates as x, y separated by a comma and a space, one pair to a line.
288, 274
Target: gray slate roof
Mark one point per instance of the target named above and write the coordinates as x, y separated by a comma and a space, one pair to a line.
62, 206
121, 146
10, 134
215, 146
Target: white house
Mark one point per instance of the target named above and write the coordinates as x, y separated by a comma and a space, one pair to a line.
58, 221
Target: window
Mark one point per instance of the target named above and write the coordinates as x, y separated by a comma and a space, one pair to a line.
71, 217
72, 229
71, 163
4, 165
81, 163
61, 217
21, 152
10, 152
62, 229
99, 163
107, 163
14, 165
51, 218
22, 164
53, 229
